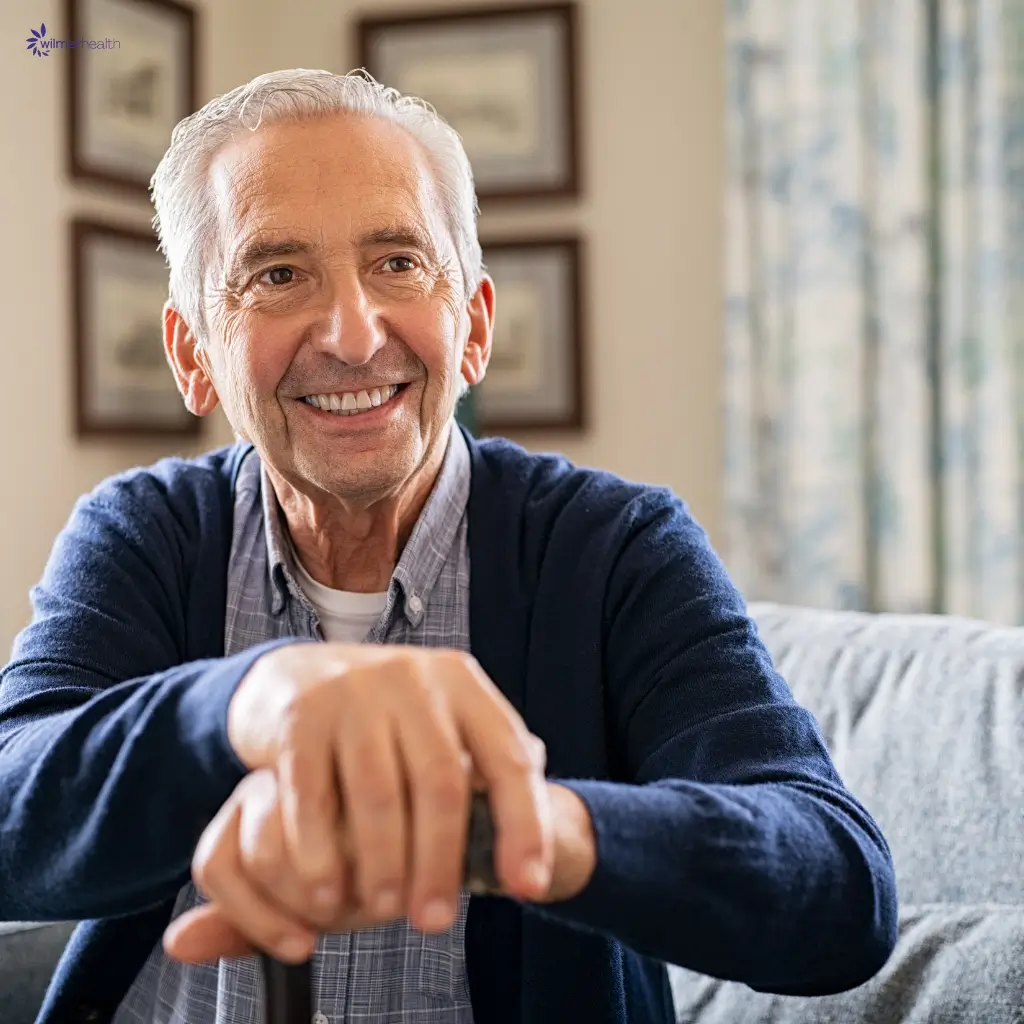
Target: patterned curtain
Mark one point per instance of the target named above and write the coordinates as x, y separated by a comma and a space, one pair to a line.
875, 304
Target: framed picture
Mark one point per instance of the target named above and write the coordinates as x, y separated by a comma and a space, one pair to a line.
124, 100
123, 384
535, 376
503, 77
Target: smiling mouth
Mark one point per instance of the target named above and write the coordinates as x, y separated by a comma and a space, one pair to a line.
351, 403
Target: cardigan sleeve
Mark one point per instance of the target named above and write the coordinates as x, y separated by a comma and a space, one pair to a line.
732, 846
113, 744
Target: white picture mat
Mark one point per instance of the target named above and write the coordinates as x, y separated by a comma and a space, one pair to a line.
451, 66
150, 66
493, 100
127, 375
532, 376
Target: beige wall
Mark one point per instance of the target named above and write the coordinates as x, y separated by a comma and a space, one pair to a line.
653, 140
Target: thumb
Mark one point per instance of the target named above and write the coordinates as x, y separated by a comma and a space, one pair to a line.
202, 935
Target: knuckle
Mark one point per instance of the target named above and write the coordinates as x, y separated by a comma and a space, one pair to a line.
520, 758
416, 677
302, 708
304, 786
292, 723
453, 656
295, 695
317, 804
424, 695
445, 787
377, 798
464, 668
538, 752
263, 863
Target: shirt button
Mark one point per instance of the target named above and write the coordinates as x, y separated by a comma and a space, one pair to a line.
415, 604
319, 1018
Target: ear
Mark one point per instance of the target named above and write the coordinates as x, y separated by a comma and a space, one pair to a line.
477, 353
189, 363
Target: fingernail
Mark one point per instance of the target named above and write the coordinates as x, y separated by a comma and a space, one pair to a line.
437, 914
386, 903
537, 875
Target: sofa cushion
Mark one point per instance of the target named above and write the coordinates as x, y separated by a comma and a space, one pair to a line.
952, 965
28, 955
924, 717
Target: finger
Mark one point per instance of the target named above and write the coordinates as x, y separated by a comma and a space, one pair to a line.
265, 859
438, 783
375, 814
219, 874
311, 812
511, 761
353, 917
203, 935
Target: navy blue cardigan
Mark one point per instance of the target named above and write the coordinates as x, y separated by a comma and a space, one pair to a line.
726, 840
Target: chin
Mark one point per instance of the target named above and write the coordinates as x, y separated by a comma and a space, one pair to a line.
361, 474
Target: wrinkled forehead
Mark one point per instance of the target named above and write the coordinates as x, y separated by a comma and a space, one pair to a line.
331, 179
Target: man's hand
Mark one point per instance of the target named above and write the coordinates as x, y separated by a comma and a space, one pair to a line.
259, 901
377, 743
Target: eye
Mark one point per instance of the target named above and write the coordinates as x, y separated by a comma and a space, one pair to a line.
278, 275
407, 264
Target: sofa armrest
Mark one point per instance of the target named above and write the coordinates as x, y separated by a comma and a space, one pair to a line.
29, 953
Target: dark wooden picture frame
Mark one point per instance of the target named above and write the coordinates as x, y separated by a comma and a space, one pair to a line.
155, 408
557, 360
484, 32
132, 174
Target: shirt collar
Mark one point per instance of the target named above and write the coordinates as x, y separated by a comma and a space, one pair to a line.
424, 554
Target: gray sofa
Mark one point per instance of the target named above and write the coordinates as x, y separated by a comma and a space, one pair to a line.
925, 719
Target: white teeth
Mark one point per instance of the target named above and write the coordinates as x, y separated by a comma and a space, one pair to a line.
351, 402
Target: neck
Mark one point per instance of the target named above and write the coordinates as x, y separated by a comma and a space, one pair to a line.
355, 545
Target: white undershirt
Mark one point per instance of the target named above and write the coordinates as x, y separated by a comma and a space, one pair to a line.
345, 615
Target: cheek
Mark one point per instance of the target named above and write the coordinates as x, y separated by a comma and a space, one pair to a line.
257, 361
435, 340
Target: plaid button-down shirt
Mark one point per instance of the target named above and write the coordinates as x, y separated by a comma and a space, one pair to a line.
385, 975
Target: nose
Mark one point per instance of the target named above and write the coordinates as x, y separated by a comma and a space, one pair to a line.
352, 329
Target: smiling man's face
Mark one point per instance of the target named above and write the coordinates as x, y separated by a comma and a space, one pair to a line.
337, 316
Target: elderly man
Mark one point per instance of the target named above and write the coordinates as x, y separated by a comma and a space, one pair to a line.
259, 686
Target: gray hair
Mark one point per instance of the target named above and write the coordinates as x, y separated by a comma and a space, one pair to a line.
185, 215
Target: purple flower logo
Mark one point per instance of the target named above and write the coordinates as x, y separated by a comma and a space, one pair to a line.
37, 42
